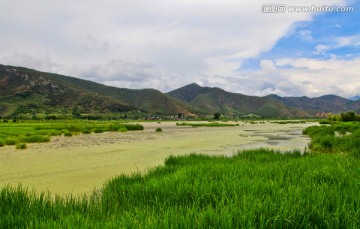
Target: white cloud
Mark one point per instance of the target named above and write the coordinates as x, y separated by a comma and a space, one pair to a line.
161, 44
306, 35
303, 76
267, 65
348, 41
321, 49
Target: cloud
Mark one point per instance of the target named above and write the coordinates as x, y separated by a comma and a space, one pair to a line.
347, 41
306, 35
321, 49
304, 76
161, 44
267, 65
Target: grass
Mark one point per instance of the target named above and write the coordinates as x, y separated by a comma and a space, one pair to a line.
254, 189
211, 124
35, 138
68, 134
290, 122
98, 130
123, 129
86, 131
158, 129
10, 141
342, 137
34, 132
21, 146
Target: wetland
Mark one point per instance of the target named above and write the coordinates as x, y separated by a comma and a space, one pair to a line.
84, 162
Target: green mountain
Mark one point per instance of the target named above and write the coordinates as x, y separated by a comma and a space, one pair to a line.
24, 90
213, 100
326, 103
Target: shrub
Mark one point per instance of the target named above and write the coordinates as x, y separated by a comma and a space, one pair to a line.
158, 130
87, 131
74, 128
55, 133
134, 127
123, 129
68, 134
98, 130
2, 143
114, 127
21, 146
36, 138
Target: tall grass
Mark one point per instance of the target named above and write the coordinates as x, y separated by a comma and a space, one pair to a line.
35, 138
343, 137
254, 189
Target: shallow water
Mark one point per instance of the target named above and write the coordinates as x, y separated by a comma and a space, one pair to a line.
82, 163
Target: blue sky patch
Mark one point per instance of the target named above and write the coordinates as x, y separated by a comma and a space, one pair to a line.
327, 35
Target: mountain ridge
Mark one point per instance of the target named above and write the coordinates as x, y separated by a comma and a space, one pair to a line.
52, 92
24, 90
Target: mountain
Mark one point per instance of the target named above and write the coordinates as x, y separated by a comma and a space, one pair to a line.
218, 100
24, 90
355, 98
326, 103
29, 92
215, 99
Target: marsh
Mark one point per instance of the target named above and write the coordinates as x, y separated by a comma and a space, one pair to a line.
84, 162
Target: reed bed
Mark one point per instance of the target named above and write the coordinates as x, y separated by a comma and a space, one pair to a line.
253, 189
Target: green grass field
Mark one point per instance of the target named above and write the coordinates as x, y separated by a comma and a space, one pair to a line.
211, 124
253, 189
342, 137
15, 133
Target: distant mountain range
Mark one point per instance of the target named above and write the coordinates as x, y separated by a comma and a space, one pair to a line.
24, 90
355, 97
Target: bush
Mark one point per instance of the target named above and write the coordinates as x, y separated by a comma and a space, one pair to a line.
2, 143
123, 129
158, 130
68, 134
114, 127
74, 128
98, 130
134, 127
87, 131
21, 146
55, 133
36, 138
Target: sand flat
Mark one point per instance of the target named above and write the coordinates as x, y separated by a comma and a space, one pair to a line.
82, 163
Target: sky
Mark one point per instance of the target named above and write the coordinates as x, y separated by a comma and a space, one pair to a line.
253, 47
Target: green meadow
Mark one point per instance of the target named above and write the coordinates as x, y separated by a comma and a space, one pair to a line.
252, 189
210, 124
19, 133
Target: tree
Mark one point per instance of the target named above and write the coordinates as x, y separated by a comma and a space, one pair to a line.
76, 113
217, 116
348, 116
